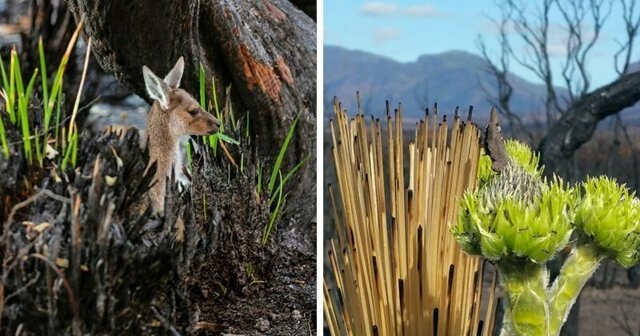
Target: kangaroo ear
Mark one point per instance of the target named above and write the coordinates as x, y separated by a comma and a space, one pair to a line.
156, 88
175, 75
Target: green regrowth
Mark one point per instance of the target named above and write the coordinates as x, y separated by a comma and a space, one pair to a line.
519, 220
516, 214
519, 154
609, 216
526, 311
577, 269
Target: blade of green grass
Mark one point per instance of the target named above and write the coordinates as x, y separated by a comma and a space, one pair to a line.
3, 138
17, 74
12, 90
22, 107
203, 98
45, 96
289, 175
70, 151
189, 155
74, 151
211, 139
57, 128
56, 88
268, 229
215, 104
227, 138
27, 98
8, 92
45, 80
36, 139
283, 149
213, 143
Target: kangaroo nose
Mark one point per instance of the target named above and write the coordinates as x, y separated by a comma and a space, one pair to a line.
215, 126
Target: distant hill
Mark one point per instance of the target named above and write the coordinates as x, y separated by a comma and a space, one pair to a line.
451, 79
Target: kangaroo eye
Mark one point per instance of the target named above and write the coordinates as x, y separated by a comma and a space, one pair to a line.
193, 112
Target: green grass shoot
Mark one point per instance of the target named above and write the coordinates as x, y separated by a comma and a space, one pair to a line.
23, 104
283, 150
3, 139
212, 140
8, 90
18, 94
71, 149
289, 175
269, 228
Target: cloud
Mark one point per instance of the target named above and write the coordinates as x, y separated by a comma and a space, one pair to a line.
423, 10
380, 8
557, 49
382, 35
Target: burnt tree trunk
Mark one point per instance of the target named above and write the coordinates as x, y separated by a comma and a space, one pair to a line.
265, 49
577, 125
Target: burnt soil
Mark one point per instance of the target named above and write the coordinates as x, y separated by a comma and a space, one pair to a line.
81, 257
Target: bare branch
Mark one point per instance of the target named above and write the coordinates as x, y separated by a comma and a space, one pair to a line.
631, 20
577, 125
535, 36
499, 69
579, 42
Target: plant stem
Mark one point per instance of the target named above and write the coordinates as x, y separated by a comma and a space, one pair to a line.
577, 269
526, 311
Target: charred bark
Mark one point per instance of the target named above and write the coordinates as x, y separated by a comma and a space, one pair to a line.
265, 49
577, 125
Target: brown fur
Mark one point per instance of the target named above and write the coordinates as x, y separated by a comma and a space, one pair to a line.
165, 128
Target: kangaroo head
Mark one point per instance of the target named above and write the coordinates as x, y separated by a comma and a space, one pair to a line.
180, 111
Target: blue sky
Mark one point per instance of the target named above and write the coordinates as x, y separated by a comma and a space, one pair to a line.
404, 30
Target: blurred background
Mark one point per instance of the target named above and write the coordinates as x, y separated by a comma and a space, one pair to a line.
563, 75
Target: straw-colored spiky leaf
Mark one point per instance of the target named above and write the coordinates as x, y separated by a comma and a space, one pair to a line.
396, 269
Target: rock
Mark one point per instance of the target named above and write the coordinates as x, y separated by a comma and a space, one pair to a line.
130, 112
263, 324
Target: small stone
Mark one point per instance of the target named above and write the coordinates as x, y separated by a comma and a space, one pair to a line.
296, 315
263, 324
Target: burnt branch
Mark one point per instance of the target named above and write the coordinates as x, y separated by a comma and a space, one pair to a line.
577, 125
631, 19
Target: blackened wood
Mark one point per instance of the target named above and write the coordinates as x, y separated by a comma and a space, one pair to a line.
577, 125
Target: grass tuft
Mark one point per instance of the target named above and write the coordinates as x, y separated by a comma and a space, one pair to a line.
18, 102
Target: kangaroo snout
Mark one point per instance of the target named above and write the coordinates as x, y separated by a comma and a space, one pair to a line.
214, 125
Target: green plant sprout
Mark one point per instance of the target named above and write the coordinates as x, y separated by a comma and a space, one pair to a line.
212, 140
38, 143
276, 191
276, 182
519, 220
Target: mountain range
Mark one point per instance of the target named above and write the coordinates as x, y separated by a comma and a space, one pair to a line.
453, 78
